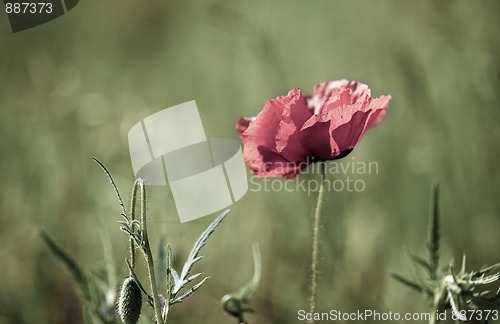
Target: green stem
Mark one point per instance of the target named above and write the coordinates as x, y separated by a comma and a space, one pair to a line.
433, 319
169, 285
132, 217
314, 263
149, 256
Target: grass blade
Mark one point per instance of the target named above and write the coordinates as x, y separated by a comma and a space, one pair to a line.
434, 232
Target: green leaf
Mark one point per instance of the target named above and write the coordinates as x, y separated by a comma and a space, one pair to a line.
112, 281
123, 212
193, 257
180, 281
133, 222
64, 257
161, 267
433, 234
87, 290
175, 275
169, 273
413, 266
188, 292
462, 268
421, 262
488, 269
87, 315
407, 282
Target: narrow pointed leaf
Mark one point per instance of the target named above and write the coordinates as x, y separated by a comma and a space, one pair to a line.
169, 273
113, 183
434, 233
407, 282
108, 259
193, 277
422, 262
77, 272
63, 256
454, 307
413, 267
161, 266
188, 292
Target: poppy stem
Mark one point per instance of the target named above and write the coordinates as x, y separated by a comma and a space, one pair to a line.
149, 256
314, 263
132, 218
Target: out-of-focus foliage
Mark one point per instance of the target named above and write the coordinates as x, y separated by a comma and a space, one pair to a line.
72, 88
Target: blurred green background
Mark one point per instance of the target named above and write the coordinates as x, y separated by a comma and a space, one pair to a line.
72, 88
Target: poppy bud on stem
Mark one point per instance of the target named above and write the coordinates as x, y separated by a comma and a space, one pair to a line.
130, 301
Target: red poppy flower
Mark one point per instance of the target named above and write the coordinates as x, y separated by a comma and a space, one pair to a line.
293, 131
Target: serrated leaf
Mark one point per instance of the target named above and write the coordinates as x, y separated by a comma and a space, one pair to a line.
488, 269
193, 255
188, 292
192, 258
484, 280
175, 275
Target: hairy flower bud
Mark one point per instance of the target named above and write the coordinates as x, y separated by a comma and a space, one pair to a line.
130, 301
